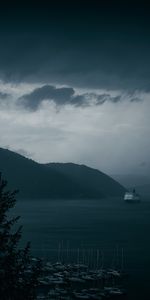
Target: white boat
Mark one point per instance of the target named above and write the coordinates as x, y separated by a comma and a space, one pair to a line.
132, 197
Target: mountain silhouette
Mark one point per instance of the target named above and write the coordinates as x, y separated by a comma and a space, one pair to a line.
55, 180
89, 178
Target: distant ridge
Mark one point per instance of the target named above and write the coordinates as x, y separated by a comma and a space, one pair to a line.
89, 178
55, 180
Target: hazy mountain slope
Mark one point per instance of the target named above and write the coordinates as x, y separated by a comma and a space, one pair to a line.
132, 180
89, 178
144, 190
36, 180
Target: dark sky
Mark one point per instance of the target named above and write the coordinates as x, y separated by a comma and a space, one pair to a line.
96, 43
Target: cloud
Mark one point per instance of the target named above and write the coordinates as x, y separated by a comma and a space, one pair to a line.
80, 100
5, 100
62, 96
70, 96
4, 95
136, 99
47, 92
107, 97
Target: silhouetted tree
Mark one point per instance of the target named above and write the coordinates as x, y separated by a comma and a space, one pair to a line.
18, 272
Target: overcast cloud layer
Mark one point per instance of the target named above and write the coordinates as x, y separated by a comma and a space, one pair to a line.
110, 135
66, 95
75, 83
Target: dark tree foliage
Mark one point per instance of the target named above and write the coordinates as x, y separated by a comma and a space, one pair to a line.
18, 272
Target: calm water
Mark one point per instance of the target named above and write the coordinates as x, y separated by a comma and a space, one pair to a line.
108, 225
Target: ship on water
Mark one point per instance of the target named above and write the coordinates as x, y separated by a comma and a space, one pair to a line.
132, 197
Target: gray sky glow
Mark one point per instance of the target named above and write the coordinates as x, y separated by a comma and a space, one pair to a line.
111, 136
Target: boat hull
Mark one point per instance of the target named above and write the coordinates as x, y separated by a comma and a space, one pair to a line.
132, 201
